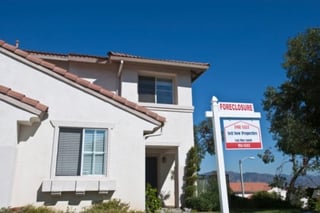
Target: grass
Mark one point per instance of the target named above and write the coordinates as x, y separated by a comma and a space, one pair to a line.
267, 211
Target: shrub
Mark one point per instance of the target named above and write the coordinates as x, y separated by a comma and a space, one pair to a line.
5, 210
204, 202
237, 202
112, 206
28, 209
266, 200
153, 202
260, 200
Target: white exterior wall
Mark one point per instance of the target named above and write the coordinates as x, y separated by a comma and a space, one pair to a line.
178, 132
8, 147
181, 80
104, 75
126, 155
178, 129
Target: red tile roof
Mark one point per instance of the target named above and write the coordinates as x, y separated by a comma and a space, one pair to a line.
65, 55
111, 53
22, 98
82, 82
139, 57
250, 187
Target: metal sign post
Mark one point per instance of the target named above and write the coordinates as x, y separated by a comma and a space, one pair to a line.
226, 110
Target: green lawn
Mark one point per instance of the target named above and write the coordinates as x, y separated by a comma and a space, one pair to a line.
267, 211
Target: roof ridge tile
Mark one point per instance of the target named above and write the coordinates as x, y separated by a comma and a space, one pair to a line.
48, 65
30, 101
9, 47
16, 95
21, 53
71, 76
34, 59
95, 87
59, 70
42, 107
4, 89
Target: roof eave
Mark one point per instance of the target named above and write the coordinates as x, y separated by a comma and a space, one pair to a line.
196, 69
195, 66
23, 106
69, 57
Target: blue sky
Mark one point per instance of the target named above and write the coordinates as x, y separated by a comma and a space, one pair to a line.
244, 41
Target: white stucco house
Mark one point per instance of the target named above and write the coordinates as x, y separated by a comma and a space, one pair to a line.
77, 129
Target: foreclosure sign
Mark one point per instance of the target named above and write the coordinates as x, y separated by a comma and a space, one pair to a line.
242, 134
236, 107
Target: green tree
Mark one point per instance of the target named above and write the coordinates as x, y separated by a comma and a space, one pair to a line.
190, 175
203, 137
293, 108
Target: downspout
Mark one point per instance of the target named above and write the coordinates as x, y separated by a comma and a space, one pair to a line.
152, 133
119, 77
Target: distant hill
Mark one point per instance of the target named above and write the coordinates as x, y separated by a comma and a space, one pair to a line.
250, 177
305, 181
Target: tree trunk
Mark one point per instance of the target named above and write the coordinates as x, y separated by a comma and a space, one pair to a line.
291, 187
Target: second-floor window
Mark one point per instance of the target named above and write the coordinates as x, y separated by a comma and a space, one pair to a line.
155, 90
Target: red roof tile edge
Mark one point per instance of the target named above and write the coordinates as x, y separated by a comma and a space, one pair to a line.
111, 53
33, 52
82, 82
22, 98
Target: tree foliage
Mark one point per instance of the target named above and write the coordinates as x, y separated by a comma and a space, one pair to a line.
203, 136
267, 156
190, 175
293, 108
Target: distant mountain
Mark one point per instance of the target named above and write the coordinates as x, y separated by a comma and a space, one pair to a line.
250, 177
305, 181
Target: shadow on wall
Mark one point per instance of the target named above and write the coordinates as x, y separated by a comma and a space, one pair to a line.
25, 131
71, 197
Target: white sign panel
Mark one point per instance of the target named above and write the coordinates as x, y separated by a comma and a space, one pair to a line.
235, 107
242, 134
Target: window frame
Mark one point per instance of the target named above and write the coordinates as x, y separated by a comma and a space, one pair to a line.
158, 78
94, 152
108, 127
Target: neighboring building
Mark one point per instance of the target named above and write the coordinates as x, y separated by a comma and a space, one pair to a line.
282, 193
249, 188
78, 129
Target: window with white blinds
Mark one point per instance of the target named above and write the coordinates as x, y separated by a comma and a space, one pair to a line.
81, 152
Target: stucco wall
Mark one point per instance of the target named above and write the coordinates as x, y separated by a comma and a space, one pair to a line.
178, 130
126, 156
104, 75
181, 80
8, 147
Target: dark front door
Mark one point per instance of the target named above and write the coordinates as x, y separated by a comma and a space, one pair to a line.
152, 171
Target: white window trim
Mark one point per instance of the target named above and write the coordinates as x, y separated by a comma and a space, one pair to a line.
84, 125
83, 152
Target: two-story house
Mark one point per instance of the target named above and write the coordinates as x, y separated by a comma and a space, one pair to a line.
77, 129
